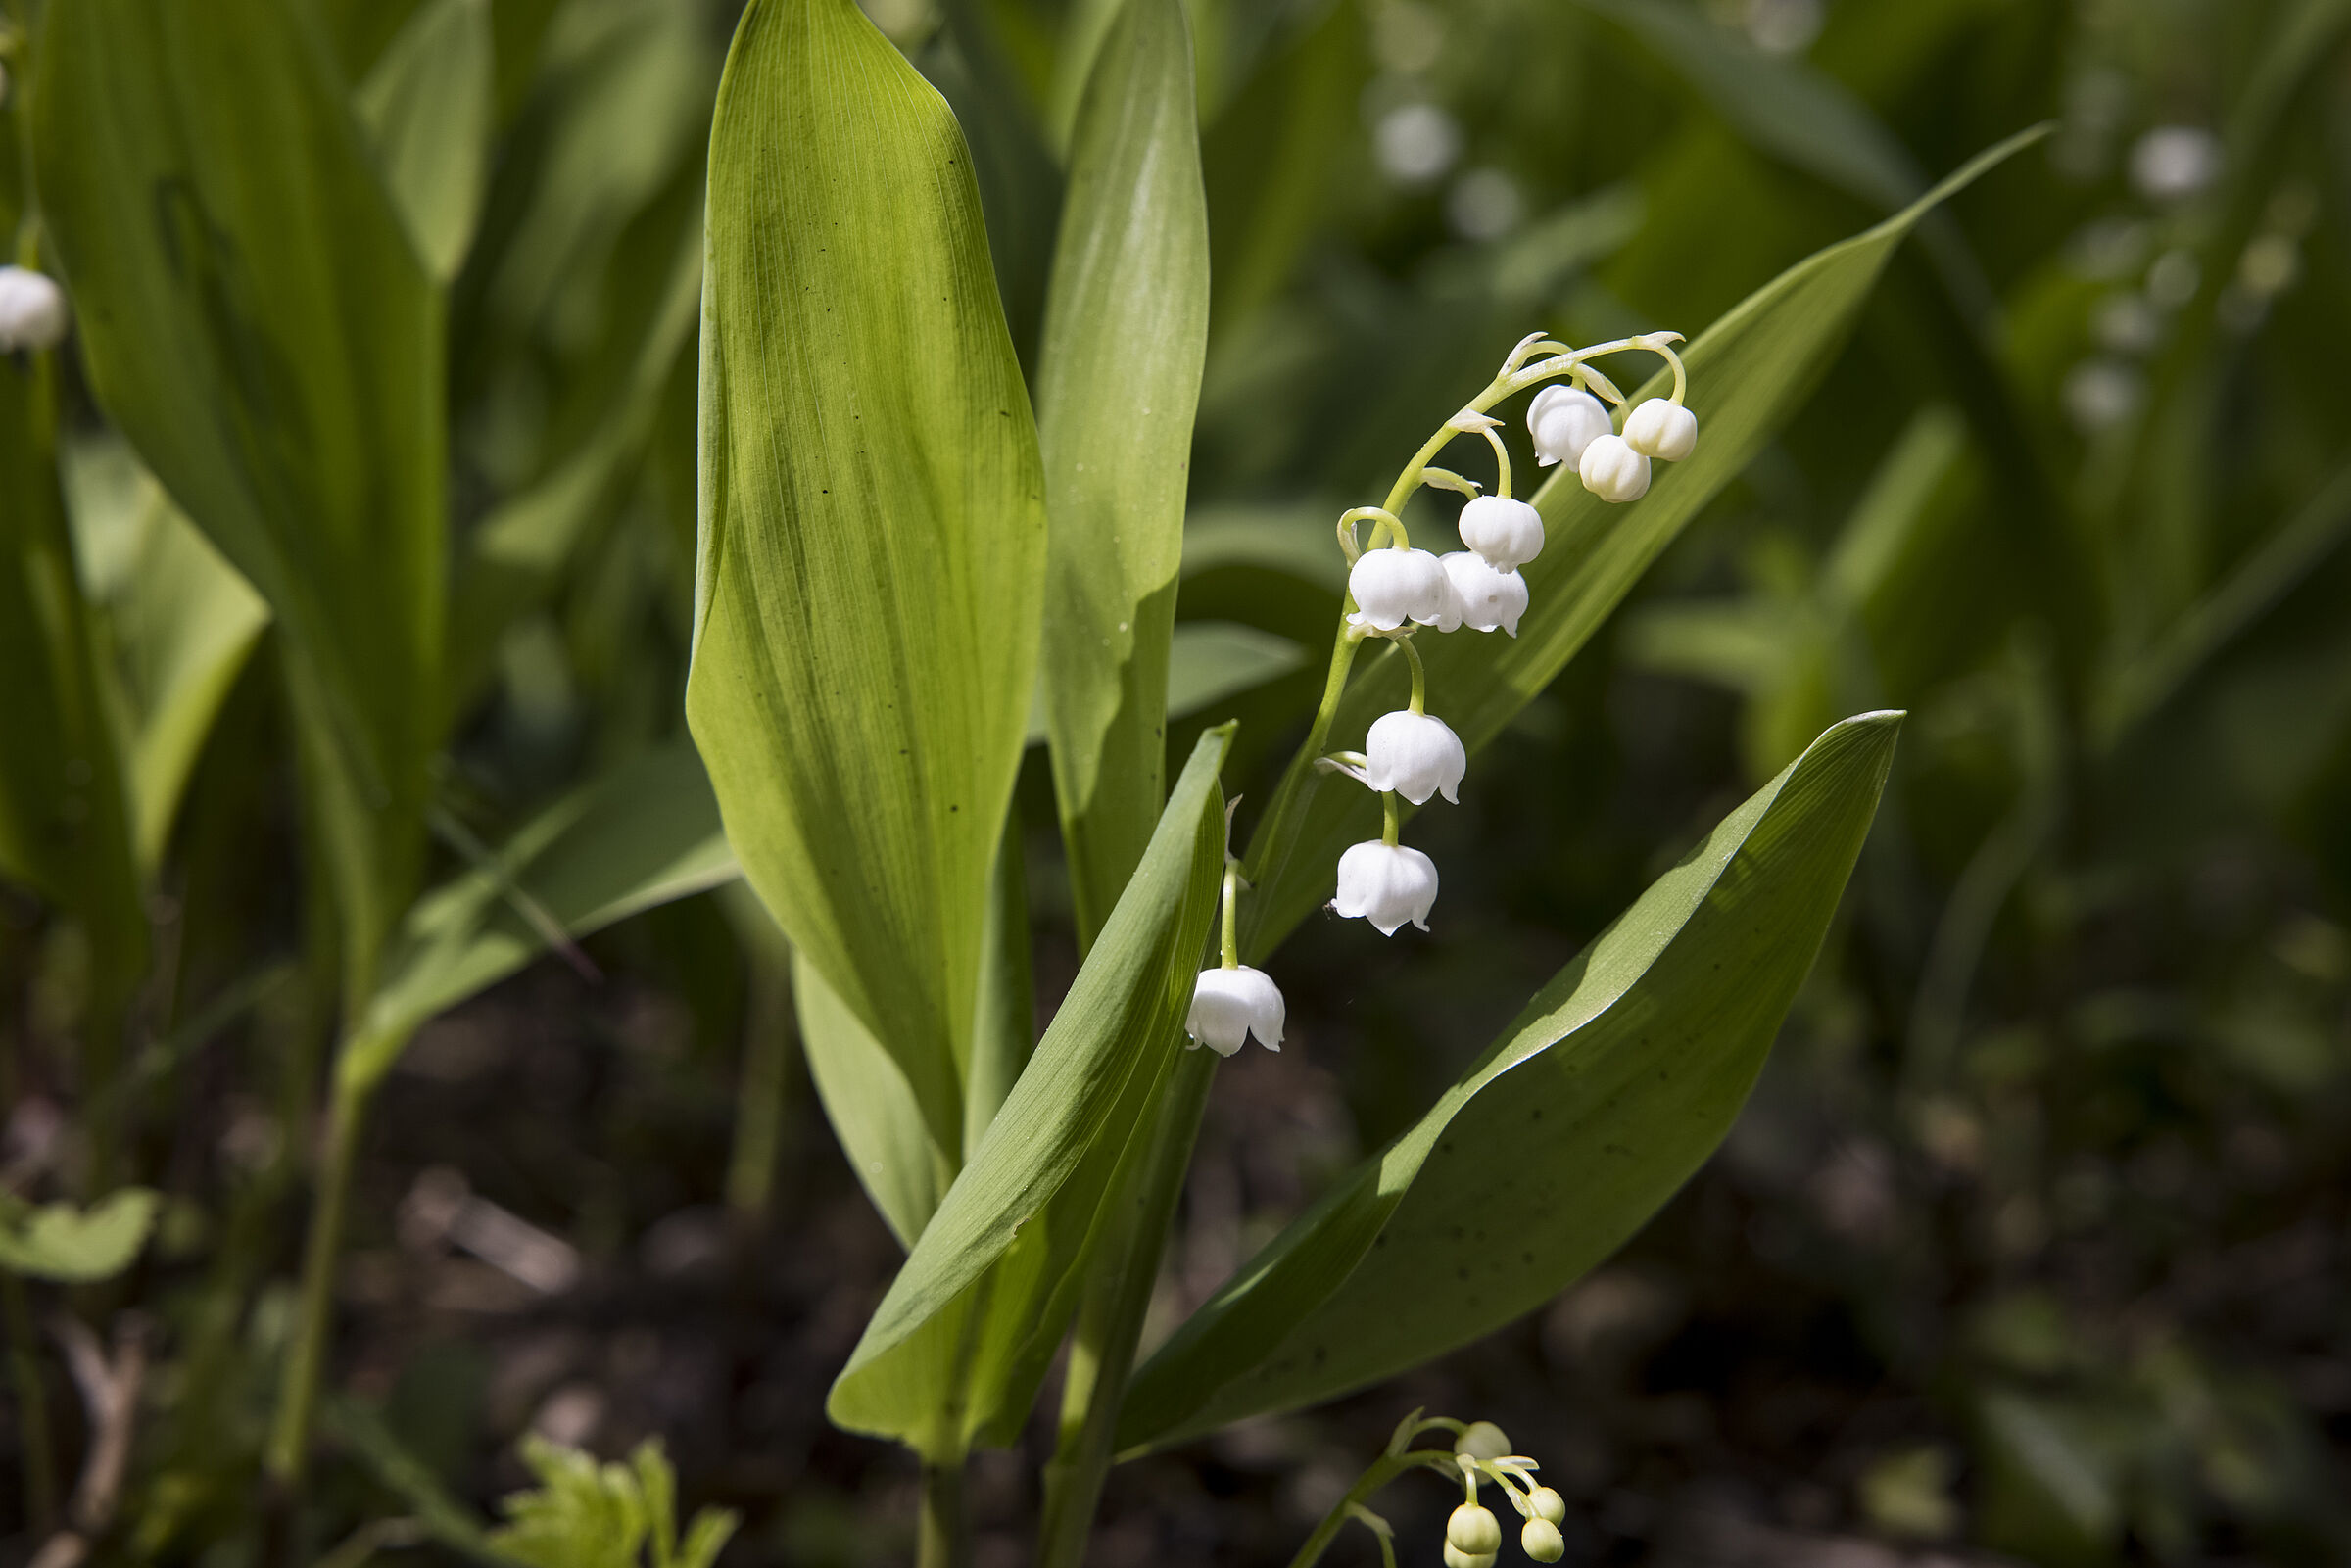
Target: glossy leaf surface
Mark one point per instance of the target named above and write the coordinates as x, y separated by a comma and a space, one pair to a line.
872, 532
1613, 1086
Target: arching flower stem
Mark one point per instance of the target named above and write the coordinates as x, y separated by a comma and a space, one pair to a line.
1391, 822
1412, 656
1232, 896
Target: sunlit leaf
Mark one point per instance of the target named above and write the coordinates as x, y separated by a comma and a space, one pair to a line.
872, 531
1613, 1086
1118, 380
76, 1246
428, 105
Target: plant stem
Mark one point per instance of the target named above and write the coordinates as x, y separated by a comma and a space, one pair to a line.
766, 1085
1382, 1470
33, 1405
1230, 947
298, 1394
943, 1538
1090, 1420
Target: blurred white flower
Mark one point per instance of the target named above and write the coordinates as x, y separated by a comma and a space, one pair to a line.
1487, 600
1416, 756
1416, 143
1507, 533
1387, 885
1483, 1440
2173, 162
1484, 204
2127, 324
1783, 27
1564, 420
1394, 586
1659, 428
2099, 392
1230, 1004
32, 310
1612, 470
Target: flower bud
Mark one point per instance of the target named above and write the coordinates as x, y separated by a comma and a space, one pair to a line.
1661, 429
1487, 600
1456, 1557
1394, 586
1230, 1004
1416, 756
1541, 1540
1614, 471
1482, 1441
1564, 420
1474, 1530
1507, 533
1547, 1504
1386, 884
32, 310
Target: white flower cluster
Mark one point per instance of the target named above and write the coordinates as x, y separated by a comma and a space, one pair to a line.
1472, 1535
1394, 590
32, 310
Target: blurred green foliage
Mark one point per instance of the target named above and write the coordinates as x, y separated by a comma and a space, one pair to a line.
2059, 1128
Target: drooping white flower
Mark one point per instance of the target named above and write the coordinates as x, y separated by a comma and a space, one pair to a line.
1614, 471
1661, 428
1564, 420
1394, 586
32, 310
1489, 600
1230, 1004
1507, 533
1474, 1530
1416, 754
1387, 885
1541, 1540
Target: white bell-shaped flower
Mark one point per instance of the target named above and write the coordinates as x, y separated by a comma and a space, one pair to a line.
1564, 420
1507, 533
32, 310
1490, 600
1387, 885
1230, 1004
1394, 586
1614, 471
1661, 429
1416, 754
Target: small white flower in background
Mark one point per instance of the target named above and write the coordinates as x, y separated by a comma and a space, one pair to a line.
1230, 1004
1507, 533
1387, 885
1416, 756
1489, 600
1416, 143
1564, 421
1614, 471
1394, 586
1662, 429
2172, 163
32, 310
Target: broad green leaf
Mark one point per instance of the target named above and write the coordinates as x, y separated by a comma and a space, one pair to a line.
1613, 1087
1119, 381
178, 623
76, 1246
645, 833
870, 1107
427, 103
1048, 1155
255, 321
872, 548
1209, 661
64, 823
1747, 373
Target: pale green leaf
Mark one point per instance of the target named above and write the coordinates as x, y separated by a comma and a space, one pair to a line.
1048, 1155
1615, 1083
427, 103
1747, 373
871, 1108
1212, 661
872, 550
1119, 381
255, 321
179, 624
647, 833
76, 1246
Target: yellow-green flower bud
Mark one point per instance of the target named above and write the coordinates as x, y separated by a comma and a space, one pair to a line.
1542, 1541
1483, 1440
1473, 1529
1456, 1557
1547, 1504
